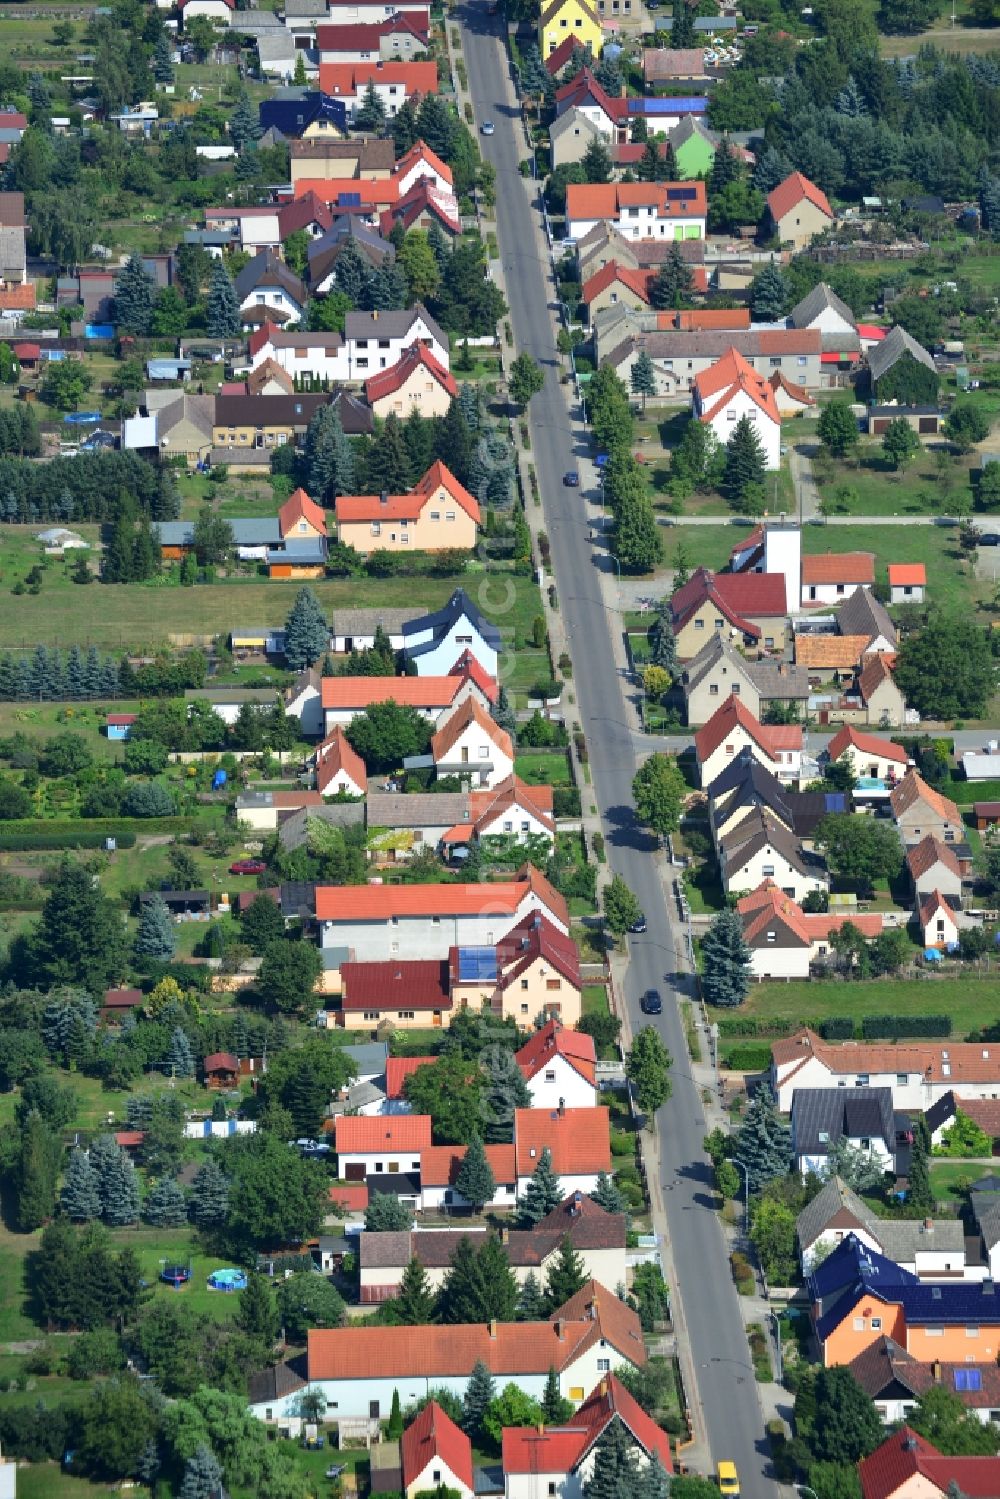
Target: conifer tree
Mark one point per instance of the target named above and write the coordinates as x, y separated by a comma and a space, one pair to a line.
556, 1409
745, 460
567, 1275
133, 298
503, 715
371, 113
307, 634
329, 457
120, 1191
163, 59
166, 1205
764, 1142
643, 378
499, 1285
244, 125
258, 1314
682, 25
454, 440
607, 1195
388, 460
919, 1196
462, 1294
209, 1200
672, 284
180, 1058
768, 295
653, 1480
728, 964
394, 1430
531, 1302
353, 274
415, 1303
475, 1179
479, 1393
155, 937
80, 1198
387, 1214
202, 1476
36, 1172
222, 311
542, 1194
506, 1091
662, 639
614, 1473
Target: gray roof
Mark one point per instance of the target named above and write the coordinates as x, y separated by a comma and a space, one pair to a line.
294, 830
690, 125
898, 1238
772, 679
256, 22
175, 533
838, 1113
395, 323
255, 531
759, 830
369, 1057
815, 302
897, 342
862, 614
305, 9
834, 1197
365, 621
268, 269
273, 45
422, 809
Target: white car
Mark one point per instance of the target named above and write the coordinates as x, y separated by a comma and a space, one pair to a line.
487, 127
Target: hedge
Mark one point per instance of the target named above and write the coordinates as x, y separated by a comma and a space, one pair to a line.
566, 801
78, 838
749, 1057
104, 827
731, 1027
891, 1027
837, 1028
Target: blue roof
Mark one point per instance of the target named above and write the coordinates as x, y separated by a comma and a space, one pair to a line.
970, 1302
441, 621
292, 116
166, 369
696, 106
256, 531
853, 1261
477, 963
175, 533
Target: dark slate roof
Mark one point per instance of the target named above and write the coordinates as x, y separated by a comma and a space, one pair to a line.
279, 1380
297, 898
815, 302
862, 614
399, 1184
291, 116
897, 342
884, 1364
838, 1112
442, 620
268, 269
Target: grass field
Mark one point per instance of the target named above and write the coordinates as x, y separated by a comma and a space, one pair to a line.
972, 1003
876, 489
543, 768
948, 1179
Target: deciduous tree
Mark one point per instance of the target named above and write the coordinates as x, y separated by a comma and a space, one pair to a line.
647, 1067
658, 790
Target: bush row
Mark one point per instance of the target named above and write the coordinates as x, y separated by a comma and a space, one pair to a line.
732, 1027
77, 838
885, 1027
750, 1057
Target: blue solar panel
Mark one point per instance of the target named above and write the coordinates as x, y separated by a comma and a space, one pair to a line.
349, 200
476, 963
681, 194
968, 1379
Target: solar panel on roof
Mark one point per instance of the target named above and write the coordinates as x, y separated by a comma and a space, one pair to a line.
968, 1379
681, 194
476, 963
349, 200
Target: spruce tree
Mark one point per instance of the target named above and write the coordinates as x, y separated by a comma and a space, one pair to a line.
768, 295
531, 1302
155, 937
403, 127
607, 1195
163, 59
414, 1305
643, 378
179, 1058
371, 113
567, 1275
725, 168
745, 460
36, 1172
653, 1480
329, 457
671, 287
244, 125
506, 1091
80, 1198
202, 1476
728, 961
387, 1214
454, 441
222, 311
475, 1179
388, 460
556, 1409
614, 1472
353, 274
165, 1205
648, 169
499, 1286
503, 715
120, 1192
307, 634
919, 1197
462, 1294
682, 25
258, 1314
133, 298
764, 1142
479, 1393
209, 1201
542, 1194
662, 639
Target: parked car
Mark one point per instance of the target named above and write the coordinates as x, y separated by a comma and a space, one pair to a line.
248, 866
728, 1478
487, 127
571, 479
651, 1003
639, 925
335, 1470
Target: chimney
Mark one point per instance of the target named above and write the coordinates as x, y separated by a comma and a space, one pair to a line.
505, 1236
375, 315
540, 1428
560, 1328
493, 1327
562, 1108
936, 1371
383, 498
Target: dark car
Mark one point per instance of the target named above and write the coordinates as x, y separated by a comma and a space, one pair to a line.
572, 479
988, 539
651, 1003
639, 925
248, 866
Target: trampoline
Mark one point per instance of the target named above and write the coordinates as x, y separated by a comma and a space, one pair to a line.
176, 1275
228, 1280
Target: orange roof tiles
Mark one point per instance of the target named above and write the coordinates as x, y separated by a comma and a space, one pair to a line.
380, 902
369, 507
509, 1349
839, 567
413, 359
420, 153
578, 1140
299, 507
907, 574
605, 200
637, 281
434, 1437
733, 714
469, 666
439, 1165
553, 1040
335, 755
869, 744
359, 693
444, 741
398, 1069
878, 669
967, 1061
835, 652
793, 190
913, 788
727, 378
352, 78
930, 851
617, 1323
384, 1134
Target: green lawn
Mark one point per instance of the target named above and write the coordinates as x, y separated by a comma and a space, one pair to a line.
948, 1177
543, 767
972, 1003
876, 489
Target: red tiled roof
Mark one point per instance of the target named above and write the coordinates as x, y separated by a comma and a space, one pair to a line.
296, 799
913, 788
561, 1449
434, 1436
618, 1323
793, 190
637, 281
444, 741
380, 902
423, 195
416, 984
17, 296
468, 666
839, 567
533, 937
869, 744
508, 1350
421, 153
737, 596
557, 59
485, 807
27, 351
121, 720
968, 1061
878, 670
122, 999
553, 1040
605, 200
129, 1137
907, 574
367, 507
335, 755
398, 1069
727, 378
585, 86
415, 692
350, 79
416, 357
384, 1134
351, 1196
767, 903
732, 714
906, 1457
299, 507
439, 1165
221, 1061
930, 851
365, 36
578, 1140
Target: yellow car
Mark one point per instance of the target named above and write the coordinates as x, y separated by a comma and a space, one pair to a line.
728, 1479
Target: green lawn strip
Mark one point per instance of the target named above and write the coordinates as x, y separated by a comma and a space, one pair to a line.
94, 1103
972, 1003
543, 767
595, 999
947, 1178
48, 1481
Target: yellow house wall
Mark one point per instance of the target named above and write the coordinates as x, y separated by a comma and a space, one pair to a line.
571, 20
425, 534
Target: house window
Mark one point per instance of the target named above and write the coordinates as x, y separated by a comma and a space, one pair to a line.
972, 1332
876, 1324
524, 983
552, 1488
406, 1015
603, 1365
553, 984
449, 515
484, 752
371, 1014
437, 1474
901, 1078
524, 1009
768, 871
933, 1332
550, 1075
859, 1324
772, 936
376, 528
435, 515
699, 624
862, 1080
713, 690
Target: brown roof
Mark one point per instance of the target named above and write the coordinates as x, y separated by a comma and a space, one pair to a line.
928, 852
912, 789
618, 1323
833, 652
982, 1111
672, 62
839, 567
470, 712
371, 155
969, 1061
877, 670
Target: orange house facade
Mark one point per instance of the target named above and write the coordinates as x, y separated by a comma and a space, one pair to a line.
439, 514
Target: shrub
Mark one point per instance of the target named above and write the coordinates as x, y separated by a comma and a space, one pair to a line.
622, 1144
750, 1057
566, 801
892, 1027
71, 838
837, 1028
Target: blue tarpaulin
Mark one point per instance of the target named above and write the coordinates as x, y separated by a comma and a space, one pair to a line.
82, 418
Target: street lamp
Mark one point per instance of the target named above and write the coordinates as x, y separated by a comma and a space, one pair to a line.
777, 1342
746, 1177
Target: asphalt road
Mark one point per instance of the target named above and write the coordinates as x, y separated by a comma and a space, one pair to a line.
734, 1425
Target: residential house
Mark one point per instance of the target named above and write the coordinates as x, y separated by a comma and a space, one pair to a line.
572, 131
404, 995
358, 1369
694, 147
784, 940
935, 866
732, 728
822, 308
562, 56
384, 1145
918, 810
560, 1068
928, 1248
511, 809
791, 399
578, 1141
372, 12
439, 1169
221, 1069
604, 243
378, 922
616, 283
639, 210
584, 96
830, 577
679, 356
244, 425
822, 1117
895, 1381
561, 19
339, 769
731, 390
560, 1459
883, 703
421, 164
401, 825
172, 423
268, 291
868, 755
378, 340
327, 250
907, 1465
798, 211
939, 920
438, 514
745, 783
303, 702
436, 1454
720, 669
417, 383
344, 698
423, 205
750, 605
898, 347
434, 642
227, 701
531, 975
919, 1073
394, 82
773, 549
264, 810
356, 629
907, 582
672, 65
319, 158
399, 37
469, 743
761, 848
